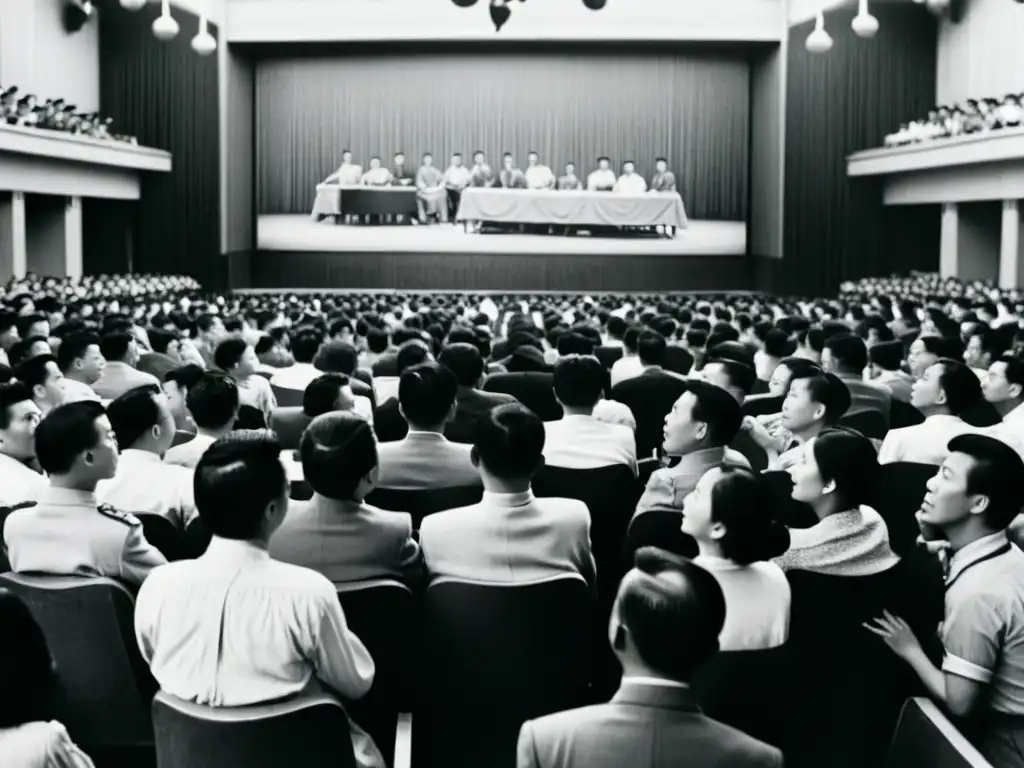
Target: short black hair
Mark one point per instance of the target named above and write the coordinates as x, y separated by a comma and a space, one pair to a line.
134, 413
575, 343
305, 345
213, 400
337, 357
674, 628
377, 340
994, 462
509, 441
617, 327
464, 360
651, 347
1014, 368
960, 384
605, 158
849, 352
114, 346
411, 353
73, 347
751, 533
579, 381
235, 480
160, 339
229, 352
338, 450
718, 409
427, 393
321, 395
847, 458
185, 376
826, 389
11, 393
33, 372
887, 355
775, 343
66, 432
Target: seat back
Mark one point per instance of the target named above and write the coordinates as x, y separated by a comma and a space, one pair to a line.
495, 656
162, 534
903, 414
289, 424
901, 488
311, 730
103, 686
383, 614
746, 689
421, 503
925, 738
657, 528
869, 423
287, 398
531, 388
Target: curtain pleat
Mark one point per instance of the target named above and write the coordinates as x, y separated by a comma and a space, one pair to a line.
693, 109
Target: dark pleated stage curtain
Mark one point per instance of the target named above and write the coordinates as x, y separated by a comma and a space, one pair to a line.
166, 95
568, 105
836, 104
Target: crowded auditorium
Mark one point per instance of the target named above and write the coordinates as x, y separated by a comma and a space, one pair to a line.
390, 383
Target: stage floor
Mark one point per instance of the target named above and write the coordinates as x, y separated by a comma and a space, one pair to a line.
293, 233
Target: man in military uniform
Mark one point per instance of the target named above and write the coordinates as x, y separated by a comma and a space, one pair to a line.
68, 533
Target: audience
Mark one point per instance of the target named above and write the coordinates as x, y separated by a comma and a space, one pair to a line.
248, 629
121, 351
69, 532
510, 536
213, 402
19, 419
336, 533
82, 363
238, 360
666, 621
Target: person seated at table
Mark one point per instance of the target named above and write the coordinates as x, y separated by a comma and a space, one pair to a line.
348, 174
538, 176
401, 176
511, 177
376, 176
481, 174
431, 197
664, 181
456, 179
603, 179
630, 182
570, 181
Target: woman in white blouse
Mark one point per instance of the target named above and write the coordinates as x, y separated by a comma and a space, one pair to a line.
735, 533
27, 738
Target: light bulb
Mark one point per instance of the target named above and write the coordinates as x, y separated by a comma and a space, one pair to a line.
133, 5
864, 24
165, 28
819, 41
204, 43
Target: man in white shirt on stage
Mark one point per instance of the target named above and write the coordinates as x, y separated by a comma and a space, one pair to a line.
456, 179
603, 179
348, 173
630, 182
538, 176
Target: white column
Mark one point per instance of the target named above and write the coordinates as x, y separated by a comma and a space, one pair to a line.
949, 261
73, 237
13, 241
1011, 249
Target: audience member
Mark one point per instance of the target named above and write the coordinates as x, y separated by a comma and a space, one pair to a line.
629, 365
278, 626
238, 360
19, 418
82, 364
213, 402
43, 377
69, 532
471, 402
846, 356
176, 385
336, 533
305, 345
121, 351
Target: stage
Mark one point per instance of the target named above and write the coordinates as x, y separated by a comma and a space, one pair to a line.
293, 251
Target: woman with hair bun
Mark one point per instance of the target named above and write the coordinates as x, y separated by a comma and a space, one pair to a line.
737, 538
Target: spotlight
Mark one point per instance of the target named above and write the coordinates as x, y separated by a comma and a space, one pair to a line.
595, 5
464, 3
133, 5
500, 13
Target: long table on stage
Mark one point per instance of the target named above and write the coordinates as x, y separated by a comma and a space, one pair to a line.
571, 208
361, 200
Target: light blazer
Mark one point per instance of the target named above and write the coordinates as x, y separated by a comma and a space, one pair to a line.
510, 538
425, 460
653, 726
118, 378
347, 541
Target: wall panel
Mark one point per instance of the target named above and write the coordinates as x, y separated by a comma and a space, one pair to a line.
981, 55
767, 152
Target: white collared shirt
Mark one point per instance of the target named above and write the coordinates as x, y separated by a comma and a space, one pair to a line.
235, 628
297, 376
19, 485
539, 177
584, 442
188, 454
626, 367
631, 184
1010, 430
77, 391
601, 179
145, 485
924, 443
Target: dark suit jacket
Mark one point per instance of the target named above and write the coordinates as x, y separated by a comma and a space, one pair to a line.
531, 388
387, 365
389, 423
650, 396
471, 405
289, 423
643, 725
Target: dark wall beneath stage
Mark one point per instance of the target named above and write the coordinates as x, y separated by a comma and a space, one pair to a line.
836, 104
567, 105
166, 95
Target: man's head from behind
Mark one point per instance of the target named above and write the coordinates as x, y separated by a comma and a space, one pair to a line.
213, 401
508, 447
651, 348
464, 360
705, 416
579, 382
426, 396
337, 357
120, 347
339, 456
240, 486
235, 356
142, 419
971, 491
19, 418
76, 441
667, 616
846, 354
326, 393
